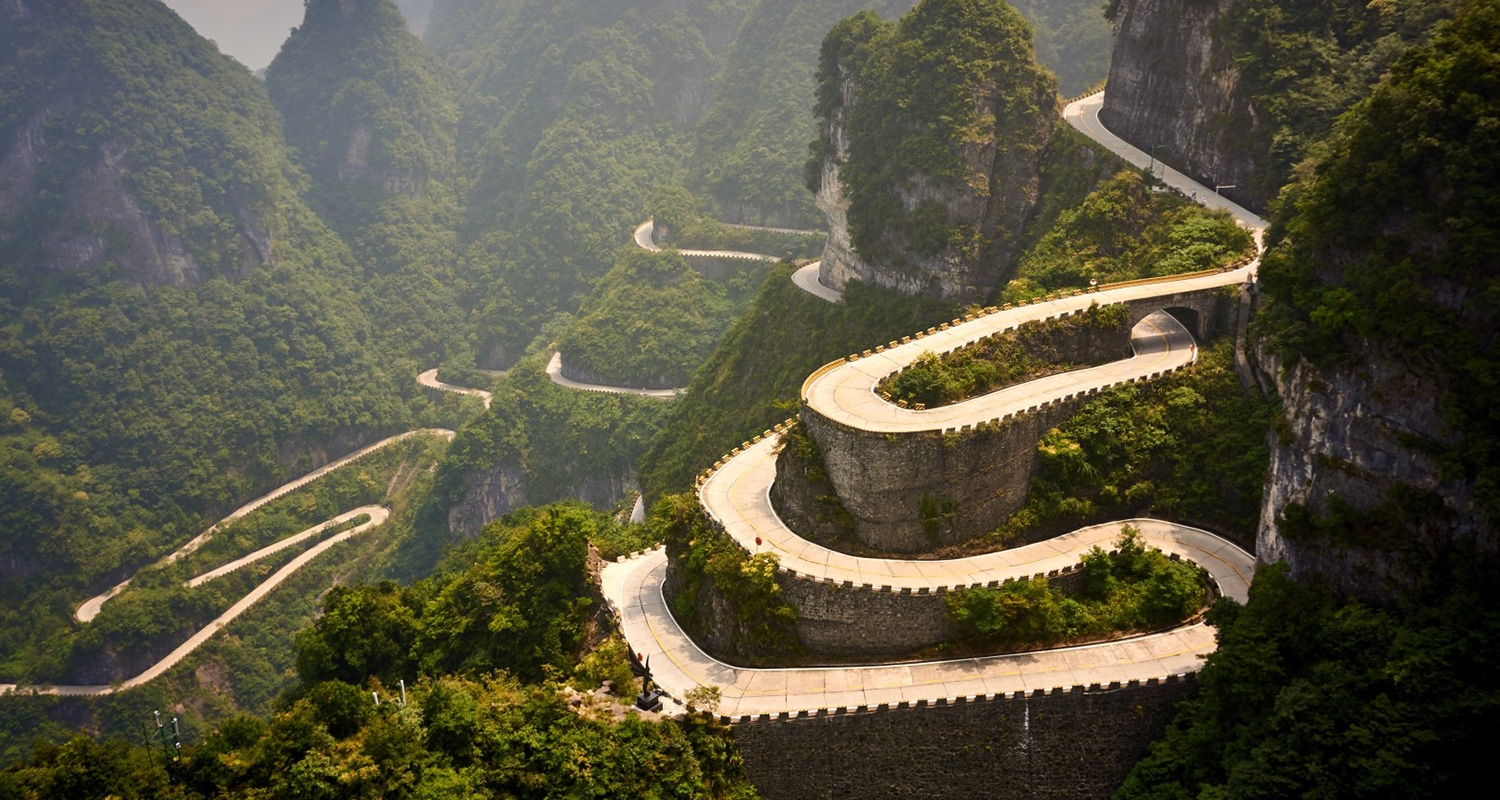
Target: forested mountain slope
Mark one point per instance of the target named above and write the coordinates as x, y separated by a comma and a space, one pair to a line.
372, 116
180, 332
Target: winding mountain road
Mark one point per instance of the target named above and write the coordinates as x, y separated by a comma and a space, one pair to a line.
736, 496
806, 277
93, 605
554, 371
377, 516
429, 379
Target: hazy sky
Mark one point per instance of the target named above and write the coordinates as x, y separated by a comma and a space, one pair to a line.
253, 30
250, 30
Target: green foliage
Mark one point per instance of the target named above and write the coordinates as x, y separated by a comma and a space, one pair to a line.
1387, 243
1309, 695
458, 738
1032, 351
372, 116
650, 322
340, 77
1142, 448
914, 122
1073, 39
1304, 64
521, 606
751, 143
1125, 230
570, 113
609, 660
365, 630
559, 439
706, 560
516, 599
1131, 589
85, 768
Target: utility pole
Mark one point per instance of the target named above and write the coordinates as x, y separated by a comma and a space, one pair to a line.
171, 751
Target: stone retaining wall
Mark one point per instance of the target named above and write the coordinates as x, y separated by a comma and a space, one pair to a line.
910, 493
1023, 747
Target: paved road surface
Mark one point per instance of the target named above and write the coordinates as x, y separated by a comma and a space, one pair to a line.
429, 379
808, 281
847, 395
643, 238
806, 278
1084, 115
679, 665
554, 371
378, 515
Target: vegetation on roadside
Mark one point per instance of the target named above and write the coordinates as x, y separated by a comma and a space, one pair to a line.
1130, 589
651, 322
515, 602
1034, 350
1144, 449
705, 561
158, 611
1123, 230
1312, 694
1384, 251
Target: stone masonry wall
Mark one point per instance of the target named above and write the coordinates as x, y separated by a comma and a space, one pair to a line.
1012, 747
914, 492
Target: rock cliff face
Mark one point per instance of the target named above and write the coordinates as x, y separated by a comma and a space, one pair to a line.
102, 218
492, 493
1381, 325
1363, 439
926, 180
90, 178
1173, 88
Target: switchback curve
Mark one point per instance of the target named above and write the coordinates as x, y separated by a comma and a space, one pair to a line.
806, 277
91, 607
735, 495
430, 380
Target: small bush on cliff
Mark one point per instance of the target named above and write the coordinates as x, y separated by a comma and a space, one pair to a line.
705, 559
1027, 353
1131, 589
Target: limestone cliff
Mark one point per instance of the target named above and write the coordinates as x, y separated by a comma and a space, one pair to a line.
1235, 92
927, 165
151, 158
1380, 327
492, 493
131, 146
1174, 91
